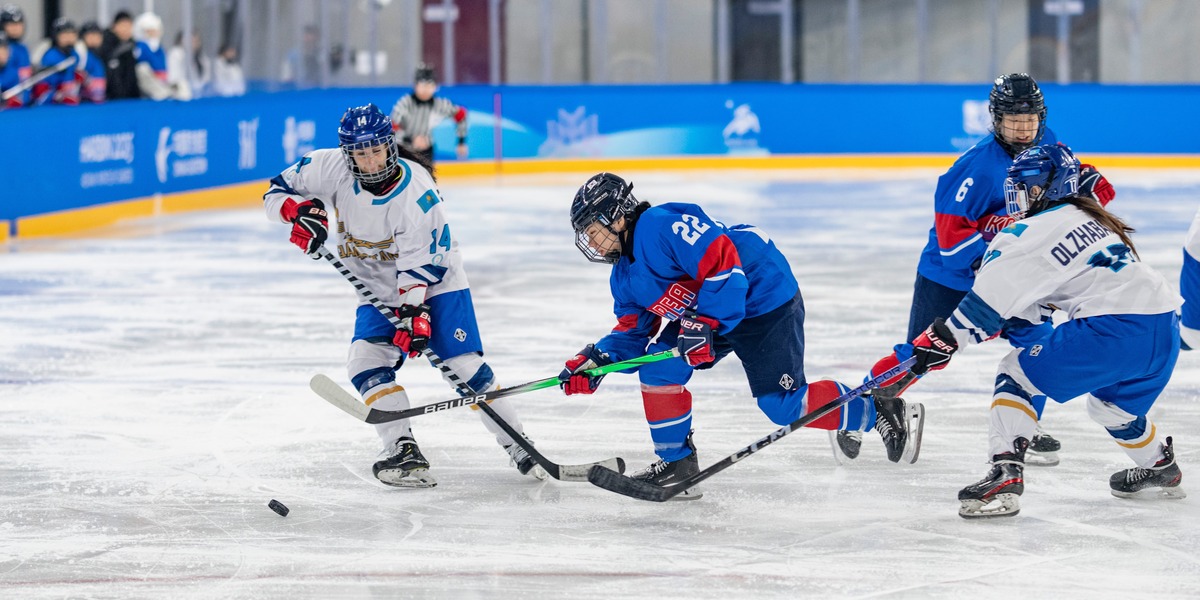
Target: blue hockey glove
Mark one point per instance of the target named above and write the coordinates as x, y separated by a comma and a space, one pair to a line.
695, 340
573, 381
1092, 183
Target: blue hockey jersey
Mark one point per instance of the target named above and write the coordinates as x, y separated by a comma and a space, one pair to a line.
969, 210
1189, 285
683, 260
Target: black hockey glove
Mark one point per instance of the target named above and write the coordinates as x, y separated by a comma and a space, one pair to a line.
414, 338
573, 381
933, 348
695, 341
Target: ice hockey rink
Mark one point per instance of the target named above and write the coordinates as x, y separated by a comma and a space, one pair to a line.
154, 396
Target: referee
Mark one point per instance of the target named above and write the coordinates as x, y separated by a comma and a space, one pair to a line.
416, 114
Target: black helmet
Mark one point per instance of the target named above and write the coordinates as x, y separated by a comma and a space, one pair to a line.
425, 73
11, 13
89, 27
604, 200
61, 25
1016, 94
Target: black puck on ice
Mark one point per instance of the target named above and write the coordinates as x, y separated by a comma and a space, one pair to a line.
278, 507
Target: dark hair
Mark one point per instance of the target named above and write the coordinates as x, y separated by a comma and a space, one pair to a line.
405, 153
122, 15
1108, 220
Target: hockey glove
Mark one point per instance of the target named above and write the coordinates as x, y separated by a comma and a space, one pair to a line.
933, 348
310, 223
572, 380
695, 340
1092, 183
413, 337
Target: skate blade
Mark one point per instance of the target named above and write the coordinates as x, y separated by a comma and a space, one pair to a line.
1040, 459
416, 478
1157, 493
912, 448
839, 457
1001, 505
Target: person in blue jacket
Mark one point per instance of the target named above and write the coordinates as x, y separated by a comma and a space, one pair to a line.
969, 210
682, 280
12, 23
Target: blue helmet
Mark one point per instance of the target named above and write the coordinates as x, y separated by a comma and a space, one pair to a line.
1039, 176
364, 127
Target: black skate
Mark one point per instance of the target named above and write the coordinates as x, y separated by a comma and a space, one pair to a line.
1160, 481
405, 466
998, 494
1043, 450
668, 473
846, 445
900, 424
524, 462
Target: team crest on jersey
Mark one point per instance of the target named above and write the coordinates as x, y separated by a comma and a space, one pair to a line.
460, 335
786, 381
1036, 350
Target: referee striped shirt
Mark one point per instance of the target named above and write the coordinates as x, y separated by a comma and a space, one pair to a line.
412, 117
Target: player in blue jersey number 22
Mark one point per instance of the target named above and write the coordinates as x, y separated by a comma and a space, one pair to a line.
709, 290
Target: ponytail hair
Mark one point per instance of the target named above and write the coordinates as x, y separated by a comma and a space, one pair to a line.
1110, 221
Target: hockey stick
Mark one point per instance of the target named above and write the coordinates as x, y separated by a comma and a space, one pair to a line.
642, 490
37, 78
557, 471
332, 392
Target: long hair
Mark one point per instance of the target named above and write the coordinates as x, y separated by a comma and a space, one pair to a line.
413, 156
1110, 221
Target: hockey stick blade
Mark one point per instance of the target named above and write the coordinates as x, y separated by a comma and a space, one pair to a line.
643, 490
335, 395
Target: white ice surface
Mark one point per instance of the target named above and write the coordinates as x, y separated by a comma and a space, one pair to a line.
153, 398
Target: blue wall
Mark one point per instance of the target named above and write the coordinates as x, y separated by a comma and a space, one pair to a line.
58, 158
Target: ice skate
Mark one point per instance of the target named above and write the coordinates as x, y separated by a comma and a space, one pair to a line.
998, 494
524, 462
1160, 481
900, 424
668, 473
405, 466
1043, 450
846, 445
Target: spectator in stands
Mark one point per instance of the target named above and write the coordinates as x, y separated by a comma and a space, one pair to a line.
197, 78
228, 79
62, 85
12, 20
152, 60
120, 62
302, 66
94, 84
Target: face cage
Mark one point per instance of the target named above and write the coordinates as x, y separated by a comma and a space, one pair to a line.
1016, 148
1016, 198
592, 254
389, 169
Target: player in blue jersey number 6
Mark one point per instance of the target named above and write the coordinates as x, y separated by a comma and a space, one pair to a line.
1118, 348
393, 235
719, 289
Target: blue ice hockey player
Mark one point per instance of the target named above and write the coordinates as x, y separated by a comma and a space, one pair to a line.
969, 209
720, 289
393, 235
62, 87
1117, 348
1189, 286
12, 21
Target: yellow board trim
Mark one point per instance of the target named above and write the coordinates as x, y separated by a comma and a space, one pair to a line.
1141, 444
4, 228
248, 194
1017, 405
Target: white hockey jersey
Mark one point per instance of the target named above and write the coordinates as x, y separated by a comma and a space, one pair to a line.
389, 242
1060, 259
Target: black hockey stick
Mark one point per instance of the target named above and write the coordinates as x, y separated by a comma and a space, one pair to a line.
335, 395
559, 472
615, 482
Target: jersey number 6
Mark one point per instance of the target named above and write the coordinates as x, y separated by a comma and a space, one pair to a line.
690, 228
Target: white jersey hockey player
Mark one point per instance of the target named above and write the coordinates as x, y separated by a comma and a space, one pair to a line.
1119, 346
392, 234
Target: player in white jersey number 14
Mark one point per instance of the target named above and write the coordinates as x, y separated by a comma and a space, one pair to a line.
393, 235
1118, 348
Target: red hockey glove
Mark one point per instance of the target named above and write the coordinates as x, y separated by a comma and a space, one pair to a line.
310, 223
695, 340
414, 336
1092, 183
933, 348
572, 380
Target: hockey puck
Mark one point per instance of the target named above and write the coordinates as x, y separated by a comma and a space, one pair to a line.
278, 507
